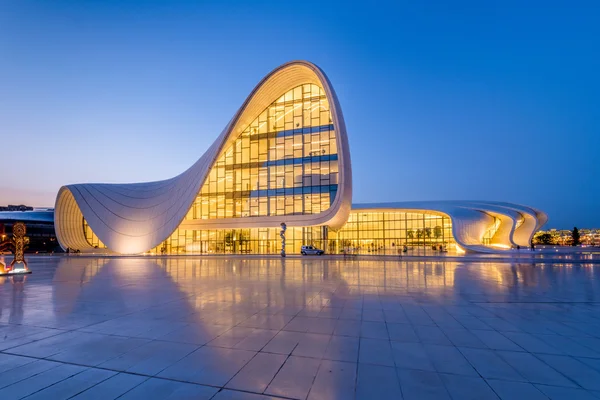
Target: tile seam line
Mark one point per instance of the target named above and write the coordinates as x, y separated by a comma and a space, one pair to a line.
30, 376
94, 385
46, 387
87, 367
280, 368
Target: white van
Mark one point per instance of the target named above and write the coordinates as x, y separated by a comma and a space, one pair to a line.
311, 250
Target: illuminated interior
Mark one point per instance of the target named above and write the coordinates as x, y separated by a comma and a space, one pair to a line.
389, 231
284, 163
381, 232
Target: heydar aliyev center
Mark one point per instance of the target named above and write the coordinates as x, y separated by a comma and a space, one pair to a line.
283, 158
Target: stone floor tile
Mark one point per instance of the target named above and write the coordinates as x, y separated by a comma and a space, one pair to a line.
98, 349
472, 322
373, 314
150, 358
226, 394
284, 342
40, 381
395, 316
531, 343
342, 348
534, 370
311, 345
573, 369
412, 356
351, 313
10, 338
55, 344
374, 351
449, 360
590, 362
489, 365
508, 390
468, 387
111, 388
26, 371
402, 333
569, 346
295, 378
74, 385
231, 337
377, 382
374, 330
197, 333
495, 340
258, 373
462, 337
346, 327
209, 366
256, 340
160, 389
334, 380
561, 393
431, 335
421, 385
9, 361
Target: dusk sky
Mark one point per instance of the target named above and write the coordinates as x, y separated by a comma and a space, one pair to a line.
471, 100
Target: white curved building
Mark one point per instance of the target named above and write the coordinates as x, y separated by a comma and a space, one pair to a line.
283, 157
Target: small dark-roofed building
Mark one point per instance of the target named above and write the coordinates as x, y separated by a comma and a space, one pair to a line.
39, 223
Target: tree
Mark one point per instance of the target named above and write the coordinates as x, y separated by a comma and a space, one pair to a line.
427, 232
345, 243
543, 238
576, 237
410, 234
437, 232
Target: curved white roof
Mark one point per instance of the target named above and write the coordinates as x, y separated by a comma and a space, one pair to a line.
134, 218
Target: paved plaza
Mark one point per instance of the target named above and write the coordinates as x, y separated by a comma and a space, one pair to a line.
299, 328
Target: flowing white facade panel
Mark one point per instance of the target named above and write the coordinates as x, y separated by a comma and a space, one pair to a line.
472, 219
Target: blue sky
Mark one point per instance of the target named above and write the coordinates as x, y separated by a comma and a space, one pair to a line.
443, 100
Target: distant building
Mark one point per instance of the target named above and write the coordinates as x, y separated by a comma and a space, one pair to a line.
564, 237
12, 207
283, 158
39, 224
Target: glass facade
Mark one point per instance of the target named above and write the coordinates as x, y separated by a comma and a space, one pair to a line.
91, 237
387, 232
364, 233
490, 232
368, 232
242, 241
284, 163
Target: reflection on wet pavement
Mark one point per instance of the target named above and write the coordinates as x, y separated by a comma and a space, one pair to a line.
316, 328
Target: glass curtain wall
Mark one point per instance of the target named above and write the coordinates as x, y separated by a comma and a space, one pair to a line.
242, 241
388, 232
91, 237
284, 163
490, 232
